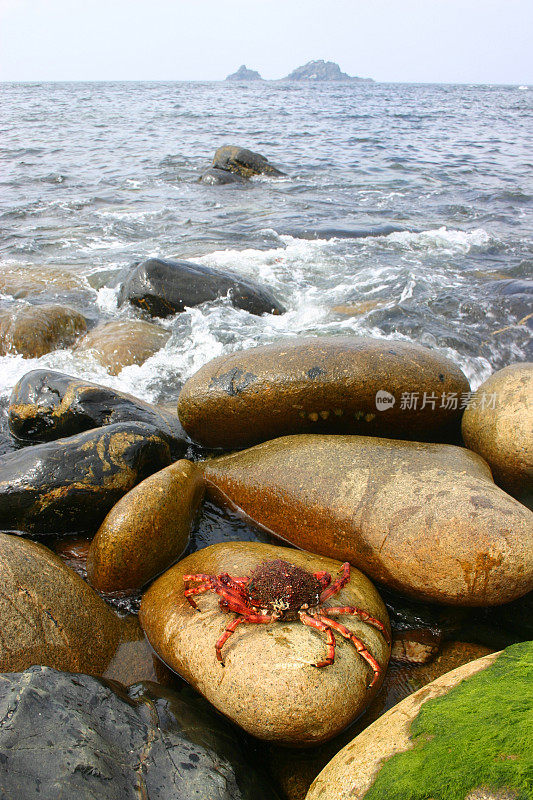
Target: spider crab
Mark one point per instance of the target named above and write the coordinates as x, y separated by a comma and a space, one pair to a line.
276, 590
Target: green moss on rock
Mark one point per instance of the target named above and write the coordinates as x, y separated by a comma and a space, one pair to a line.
479, 734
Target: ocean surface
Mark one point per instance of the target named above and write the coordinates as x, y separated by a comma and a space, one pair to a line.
406, 212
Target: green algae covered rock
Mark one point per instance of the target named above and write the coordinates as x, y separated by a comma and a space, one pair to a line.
466, 735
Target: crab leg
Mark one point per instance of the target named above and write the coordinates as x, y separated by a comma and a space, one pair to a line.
230, 627
204, 587
358, 644
313, 622
358, 612
338, 583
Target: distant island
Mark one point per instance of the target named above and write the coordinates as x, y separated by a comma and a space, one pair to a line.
321, 71
312, 71
244, 74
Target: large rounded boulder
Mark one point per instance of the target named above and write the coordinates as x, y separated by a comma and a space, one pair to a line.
121, 343
338, 384
163, 287
466, 736
33, 331
147, 530
268, 683
74, 736
71, 484
498, 424
47, 405
424, 519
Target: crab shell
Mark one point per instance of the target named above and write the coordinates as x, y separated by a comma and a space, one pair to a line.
283, 588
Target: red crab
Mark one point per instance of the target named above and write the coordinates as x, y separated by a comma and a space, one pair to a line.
277, 590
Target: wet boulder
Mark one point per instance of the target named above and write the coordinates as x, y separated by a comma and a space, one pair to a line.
93, 738
49, 615
219, 177
71, 484
480, 713
33, 331
424, 519
269, 684
121, 343
163, 287
147, 530
244, 162
47, 405
40, 283
498, 424
337, 384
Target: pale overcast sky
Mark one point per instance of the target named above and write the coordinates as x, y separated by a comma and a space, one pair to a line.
452, 41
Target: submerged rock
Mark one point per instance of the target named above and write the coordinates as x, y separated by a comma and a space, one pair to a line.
120, 343
47, 405
323, 384
92, 738
33, 331
147, 530
244, 74
480, 713
498, 424
71, 484
244, 162
220, 177
424, 519
269, 685
163, 287
34, 282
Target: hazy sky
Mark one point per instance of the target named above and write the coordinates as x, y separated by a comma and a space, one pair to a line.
458, 41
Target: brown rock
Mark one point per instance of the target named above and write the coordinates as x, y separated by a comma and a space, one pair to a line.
424, 519
147, 530
50, 616
119, 344
33, 331
243, 162
320, 385
269, 684
498, 424
33, 281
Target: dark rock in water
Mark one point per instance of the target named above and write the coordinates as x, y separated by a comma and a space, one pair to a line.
71, 484
47, 405
219, 177
322, 71
167, 287
343, 233
244, 162
93, 738
514, 287
244, 74
33, 331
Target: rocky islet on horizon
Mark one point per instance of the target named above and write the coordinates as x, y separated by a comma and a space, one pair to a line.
316, 71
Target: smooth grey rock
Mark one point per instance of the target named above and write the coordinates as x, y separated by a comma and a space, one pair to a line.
244, 74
